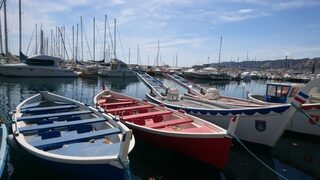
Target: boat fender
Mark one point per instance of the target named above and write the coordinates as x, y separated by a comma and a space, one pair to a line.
12, 142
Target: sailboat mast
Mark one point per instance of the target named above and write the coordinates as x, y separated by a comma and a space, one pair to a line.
20, 28
5, 27
220, 53
81, 38
158, 53
94, 39
41, 41
129, 55
36, 52
73, 42
115, 39
138, 55
177, 60
105, 38
77, 42
1, 47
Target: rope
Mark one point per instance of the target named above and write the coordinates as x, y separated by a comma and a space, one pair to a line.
304, 113
263, 163
127, 168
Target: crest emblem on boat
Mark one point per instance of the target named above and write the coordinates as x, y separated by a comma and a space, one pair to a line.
260, 125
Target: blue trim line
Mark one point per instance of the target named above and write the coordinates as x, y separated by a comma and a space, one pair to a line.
303, 95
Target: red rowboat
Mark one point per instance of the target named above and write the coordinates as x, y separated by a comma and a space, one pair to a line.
171, 129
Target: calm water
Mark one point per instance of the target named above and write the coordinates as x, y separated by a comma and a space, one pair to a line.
294, 156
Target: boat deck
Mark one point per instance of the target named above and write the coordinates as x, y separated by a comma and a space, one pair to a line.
155, 117
191, 103
68, 130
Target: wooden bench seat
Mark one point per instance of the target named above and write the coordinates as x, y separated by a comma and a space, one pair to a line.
59, 124
130, 108
203, 129
145, 115
116, 104
169, 123
60, 141
44, 109
43, 116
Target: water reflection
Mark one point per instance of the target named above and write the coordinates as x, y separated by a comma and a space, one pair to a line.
294, 152
294, 156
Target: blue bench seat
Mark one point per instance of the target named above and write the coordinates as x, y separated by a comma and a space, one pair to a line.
59, 124
44, 116
48, 109
60, 141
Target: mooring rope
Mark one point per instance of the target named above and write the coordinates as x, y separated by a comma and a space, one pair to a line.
126, 166
304, 113
256, 157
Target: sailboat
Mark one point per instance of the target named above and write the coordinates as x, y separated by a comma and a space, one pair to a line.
118, 67
39, 65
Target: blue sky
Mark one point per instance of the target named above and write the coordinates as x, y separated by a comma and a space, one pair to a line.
265, 29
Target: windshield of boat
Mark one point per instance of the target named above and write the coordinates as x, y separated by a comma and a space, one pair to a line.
40, 62
277, 93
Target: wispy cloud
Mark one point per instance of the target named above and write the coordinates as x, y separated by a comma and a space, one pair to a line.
240, 15
187, 27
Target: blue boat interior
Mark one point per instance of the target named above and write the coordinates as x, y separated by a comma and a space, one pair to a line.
67, 129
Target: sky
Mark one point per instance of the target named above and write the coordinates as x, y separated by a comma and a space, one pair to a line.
187, 30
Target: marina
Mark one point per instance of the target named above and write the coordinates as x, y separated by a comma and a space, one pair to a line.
240, 164
232, 91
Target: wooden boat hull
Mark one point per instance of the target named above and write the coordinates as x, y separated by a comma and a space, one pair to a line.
258, 125
192, 138
3, 148
39, 117
214, 151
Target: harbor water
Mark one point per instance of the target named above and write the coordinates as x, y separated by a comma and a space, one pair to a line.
295, 156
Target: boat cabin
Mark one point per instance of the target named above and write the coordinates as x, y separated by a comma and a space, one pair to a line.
117, 65
43, 60
281, 93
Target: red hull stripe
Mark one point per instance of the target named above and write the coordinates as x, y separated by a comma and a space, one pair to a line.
311, 107
299, 100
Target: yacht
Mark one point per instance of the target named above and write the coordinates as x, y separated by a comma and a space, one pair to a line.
118, 69
37, 66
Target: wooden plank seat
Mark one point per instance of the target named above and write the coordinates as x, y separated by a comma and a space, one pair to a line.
44, 116
145, 115
60, 141
48, 109
117, 104
130, 108
59, 124
169, 123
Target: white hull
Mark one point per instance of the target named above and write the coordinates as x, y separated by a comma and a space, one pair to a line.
23, 70
258, 128
300, 123
23, 141
263, 125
